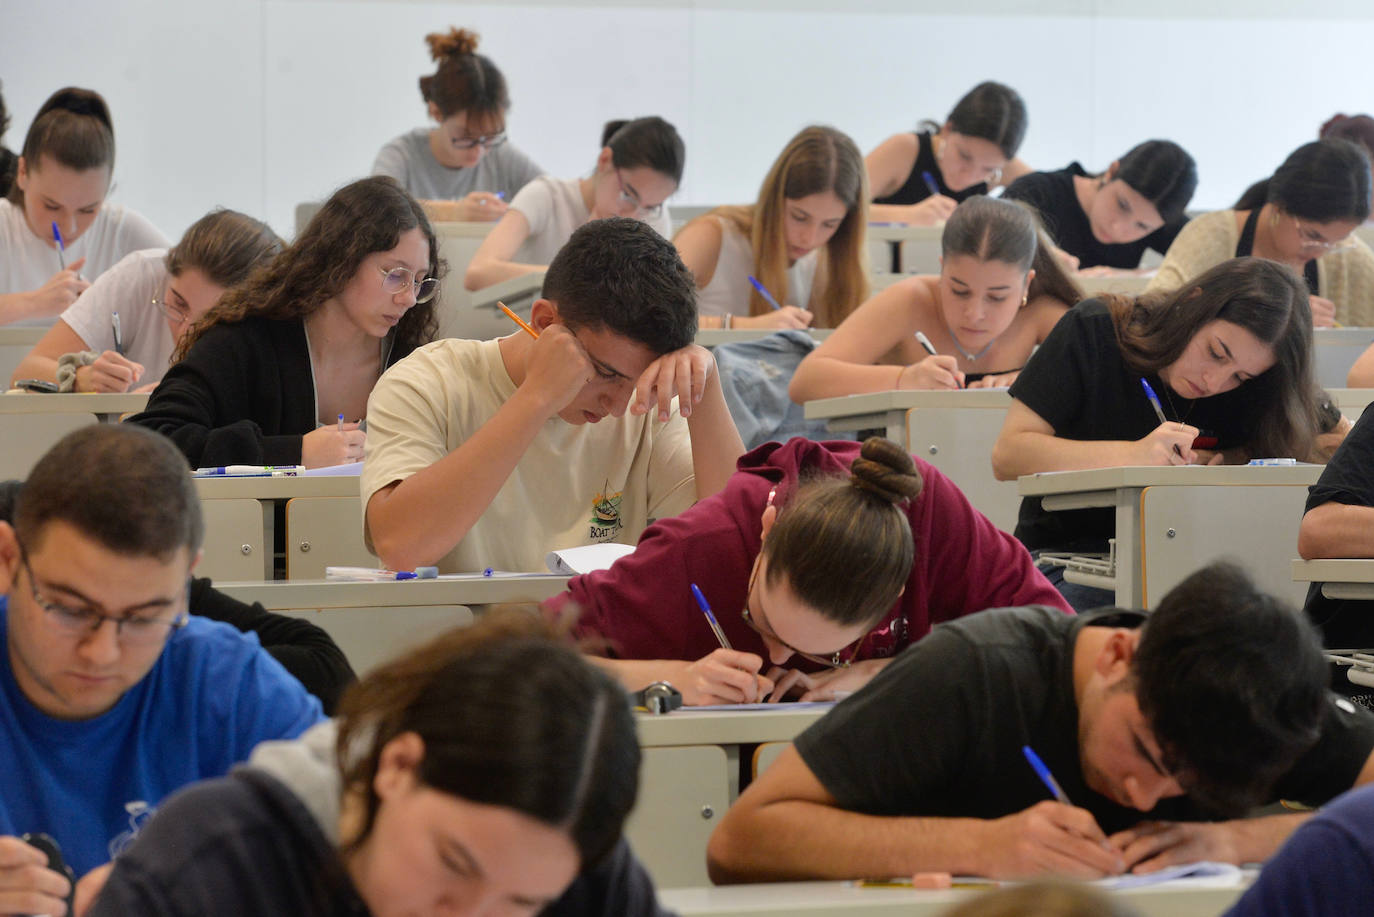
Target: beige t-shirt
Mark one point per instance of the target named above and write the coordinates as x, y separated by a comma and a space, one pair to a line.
574, 485
1344, 276
554, 209
729, 289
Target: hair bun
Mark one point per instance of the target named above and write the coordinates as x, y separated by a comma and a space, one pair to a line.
885, 469
452, 43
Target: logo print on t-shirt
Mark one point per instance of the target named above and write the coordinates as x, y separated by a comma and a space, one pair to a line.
605, 521
139, 812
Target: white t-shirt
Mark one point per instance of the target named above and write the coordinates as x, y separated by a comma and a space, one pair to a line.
29, 262
410, 161
129, 289
729, 289
554, 209
575, 484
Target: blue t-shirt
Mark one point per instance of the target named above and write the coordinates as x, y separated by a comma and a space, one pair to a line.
211, 696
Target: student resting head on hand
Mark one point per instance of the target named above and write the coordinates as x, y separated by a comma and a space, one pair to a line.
821, 561
264, 376
158, 295
803, 240
63, 175
638, 168
463, 168
489, 771
972, 151
999, 292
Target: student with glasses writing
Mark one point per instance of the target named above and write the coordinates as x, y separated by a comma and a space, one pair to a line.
1301, 216
157, 294
113, 692
822, 561
279, 372
639, 167
462, 168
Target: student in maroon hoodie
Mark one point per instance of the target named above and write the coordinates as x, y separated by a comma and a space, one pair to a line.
817, 557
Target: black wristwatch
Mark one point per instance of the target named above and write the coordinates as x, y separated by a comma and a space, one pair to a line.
659, 697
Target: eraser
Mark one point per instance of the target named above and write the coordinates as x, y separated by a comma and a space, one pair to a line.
427, 572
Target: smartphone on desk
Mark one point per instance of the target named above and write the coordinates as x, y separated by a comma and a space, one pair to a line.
37, 385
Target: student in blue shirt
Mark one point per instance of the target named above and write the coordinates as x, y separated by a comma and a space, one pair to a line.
112, 695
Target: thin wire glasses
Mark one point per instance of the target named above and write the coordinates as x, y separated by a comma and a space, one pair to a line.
177, 313
1311, 238
398, 278
629, 196
834, 661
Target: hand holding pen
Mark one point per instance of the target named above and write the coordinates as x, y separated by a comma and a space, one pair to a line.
61, 289
938, 371
781, 316
1169, 443
724, 676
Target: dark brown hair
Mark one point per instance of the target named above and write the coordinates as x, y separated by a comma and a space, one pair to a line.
74, 128
1265, 298
366, 216
510, 715
1321, 181
992, 229
1355, 128
844, 544
989, 111
225, 246
120, 484
650, 142
465, 81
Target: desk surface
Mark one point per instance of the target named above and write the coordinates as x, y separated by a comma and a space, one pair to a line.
478, 590
70, 403
1330, 336
711, 337
721, 727
903, 400
1345, 570
902, 232
473, 230
835, 899
24, 335
283, 488
1094, 479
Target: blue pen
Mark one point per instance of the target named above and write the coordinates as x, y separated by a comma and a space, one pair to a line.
500, 195
1045, 776
931, 184
487, 572
711, 618
763, 291
61, 248
1159, 410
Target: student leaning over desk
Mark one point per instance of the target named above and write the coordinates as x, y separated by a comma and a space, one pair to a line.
279, 372
64, 174
802, 240
158, 295
972, 152
999, 293
462, 169
826, 558
1229, 356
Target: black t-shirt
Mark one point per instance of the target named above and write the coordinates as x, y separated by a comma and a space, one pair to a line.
1077, 382
1348, 478
1053, 195
914, 190
939, 731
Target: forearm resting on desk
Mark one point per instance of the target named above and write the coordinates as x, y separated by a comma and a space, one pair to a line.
1030, 453
1337, 530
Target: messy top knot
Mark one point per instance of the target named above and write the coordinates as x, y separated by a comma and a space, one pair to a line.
844, 543
885, 469
465, 80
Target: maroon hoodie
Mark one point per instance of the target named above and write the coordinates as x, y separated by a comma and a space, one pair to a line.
642, 605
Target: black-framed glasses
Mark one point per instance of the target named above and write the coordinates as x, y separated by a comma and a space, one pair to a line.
130, 630
486, 141
179, 314
834, 661
629, 196
398, 278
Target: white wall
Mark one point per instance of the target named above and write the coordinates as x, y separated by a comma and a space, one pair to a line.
259, 104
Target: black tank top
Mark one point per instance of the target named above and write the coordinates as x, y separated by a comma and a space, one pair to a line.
1246, 246
914, 190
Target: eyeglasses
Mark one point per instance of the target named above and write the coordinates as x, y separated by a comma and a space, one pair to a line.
629, 196
486, 141
834, 661
398, 278
1311, 238
179, 314
130, 631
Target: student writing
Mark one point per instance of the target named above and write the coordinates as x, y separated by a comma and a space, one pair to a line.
999, 292
638, 169
159, 294
823, 561
63, 176
463, 168
974, 150
264, 376
1301, 216
803, 240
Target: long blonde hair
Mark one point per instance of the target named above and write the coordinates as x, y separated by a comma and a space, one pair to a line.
818, 159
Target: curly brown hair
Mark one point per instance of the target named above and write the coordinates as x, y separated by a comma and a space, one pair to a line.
366, 216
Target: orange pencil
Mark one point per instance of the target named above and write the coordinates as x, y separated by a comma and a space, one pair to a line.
519, 321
